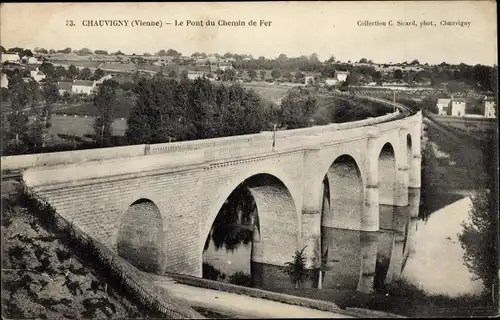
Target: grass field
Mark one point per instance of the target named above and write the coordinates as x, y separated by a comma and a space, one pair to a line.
81, 126
120, 109
470, 125
268, 93
79, 63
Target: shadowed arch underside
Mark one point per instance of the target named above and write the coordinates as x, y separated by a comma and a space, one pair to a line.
276, 231
140, 236
346, 195
387, 175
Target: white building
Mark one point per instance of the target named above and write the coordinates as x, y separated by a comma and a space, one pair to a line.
106, 77
37, 75
83, 87
341, 76
31, 60
64, 86
331, 81
225, 65
458, 107
195, 74
443, 106
4, 81
308, 79
489, 108
10, 57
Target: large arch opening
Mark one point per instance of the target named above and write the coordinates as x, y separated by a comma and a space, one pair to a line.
255, 228
140, 236
387, 185
341, 240
346, 195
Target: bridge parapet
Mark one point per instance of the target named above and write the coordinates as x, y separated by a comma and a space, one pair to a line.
216, 148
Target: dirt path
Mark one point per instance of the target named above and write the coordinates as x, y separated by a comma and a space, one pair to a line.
239, 306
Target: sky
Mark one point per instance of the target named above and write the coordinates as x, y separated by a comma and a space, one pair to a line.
297, 28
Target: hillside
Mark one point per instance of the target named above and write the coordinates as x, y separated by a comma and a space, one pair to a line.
43, 279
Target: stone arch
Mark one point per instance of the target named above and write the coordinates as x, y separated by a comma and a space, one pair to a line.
278, 221
346, 194
387, 169
140, 236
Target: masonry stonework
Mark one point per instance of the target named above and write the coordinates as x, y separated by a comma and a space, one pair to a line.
188, 182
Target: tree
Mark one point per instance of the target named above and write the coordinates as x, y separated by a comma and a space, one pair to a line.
262, 75
38, 125
353, 78
73, 72
429, 103
17, 50
98, 74
26, 53
48, 69
103, 101
229, 75
252, 74
2, 49
51, 92
296, 269
479, 236
276, 74
398, 74
297, 109
84, 52
288, 76
173, 74
18, 119
363, 60
494, 80
85, 74
65, 50
173, 53
184, 74
162, 53
103, 52
299, 76
52, 51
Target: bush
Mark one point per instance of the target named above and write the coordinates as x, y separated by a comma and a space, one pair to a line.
241, 279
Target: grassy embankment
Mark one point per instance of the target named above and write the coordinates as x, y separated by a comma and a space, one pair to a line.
42, 278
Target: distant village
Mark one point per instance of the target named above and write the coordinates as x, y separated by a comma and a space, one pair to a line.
229, 68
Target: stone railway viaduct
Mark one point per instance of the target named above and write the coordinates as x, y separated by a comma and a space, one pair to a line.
155, 204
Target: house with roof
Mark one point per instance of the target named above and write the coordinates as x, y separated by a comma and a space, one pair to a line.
201, 61
331, 81
31, 60
106, 77
341, 76
443, 105
489, 108
224, 66
4, 81
37, 75
10, 57
192, 75
458, 107
83, 87
64, 86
